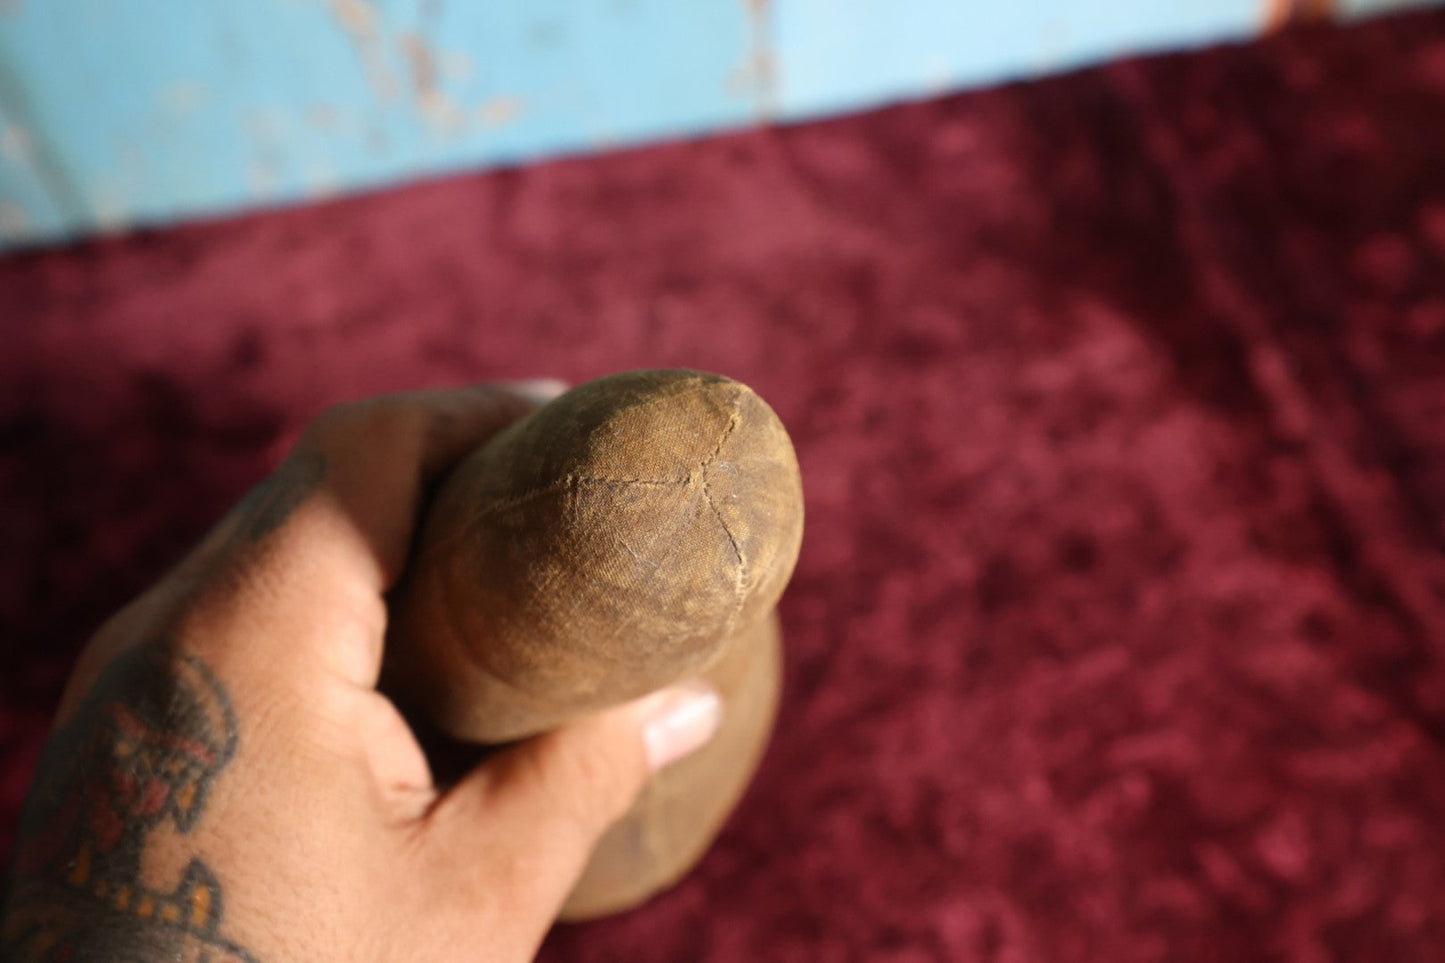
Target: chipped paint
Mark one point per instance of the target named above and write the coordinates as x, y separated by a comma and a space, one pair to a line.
500, 111
271, 100
757, 77
422, 61
361, 23
435, 105
357, 17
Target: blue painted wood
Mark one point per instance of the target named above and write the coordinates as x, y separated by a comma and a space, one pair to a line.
883, 50
137, 111
115, 113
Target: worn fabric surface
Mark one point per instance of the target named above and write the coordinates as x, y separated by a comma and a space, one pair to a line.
601, 549
1120, 401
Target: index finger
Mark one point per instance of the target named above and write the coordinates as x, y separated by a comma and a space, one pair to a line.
300, 567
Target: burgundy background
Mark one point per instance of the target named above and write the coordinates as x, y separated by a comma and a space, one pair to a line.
1120, 399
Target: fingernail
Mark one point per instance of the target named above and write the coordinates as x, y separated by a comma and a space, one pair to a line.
540, 390
682, 722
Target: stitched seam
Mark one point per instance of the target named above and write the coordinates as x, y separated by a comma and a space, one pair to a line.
568, 481
717, 512
561, 484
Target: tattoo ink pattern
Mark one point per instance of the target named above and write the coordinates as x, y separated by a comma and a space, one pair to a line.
267, 506
144, 749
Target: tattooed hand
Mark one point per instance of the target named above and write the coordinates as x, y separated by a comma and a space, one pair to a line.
226, 784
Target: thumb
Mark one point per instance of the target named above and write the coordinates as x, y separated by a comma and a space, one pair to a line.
535, 812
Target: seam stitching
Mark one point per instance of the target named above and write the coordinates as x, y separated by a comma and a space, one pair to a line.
738, 593
561, 484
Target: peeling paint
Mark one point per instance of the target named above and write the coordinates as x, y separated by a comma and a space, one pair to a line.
357, 17
758, 75
423, 63
500, 111
443, 113
390, 88
362, 25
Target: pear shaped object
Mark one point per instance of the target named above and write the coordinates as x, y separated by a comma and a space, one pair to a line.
635, 532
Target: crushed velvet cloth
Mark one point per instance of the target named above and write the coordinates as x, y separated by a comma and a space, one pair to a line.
1119, 629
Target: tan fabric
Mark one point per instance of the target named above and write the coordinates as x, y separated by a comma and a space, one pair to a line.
634, 532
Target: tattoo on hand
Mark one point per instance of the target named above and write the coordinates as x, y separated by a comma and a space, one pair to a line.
269, 504
139, 757
143, 750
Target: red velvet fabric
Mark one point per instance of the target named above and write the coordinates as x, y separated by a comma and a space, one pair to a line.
1120, 399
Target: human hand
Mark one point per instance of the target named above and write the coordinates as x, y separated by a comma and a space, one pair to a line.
225, 782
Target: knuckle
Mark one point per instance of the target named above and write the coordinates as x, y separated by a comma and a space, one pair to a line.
221, 595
